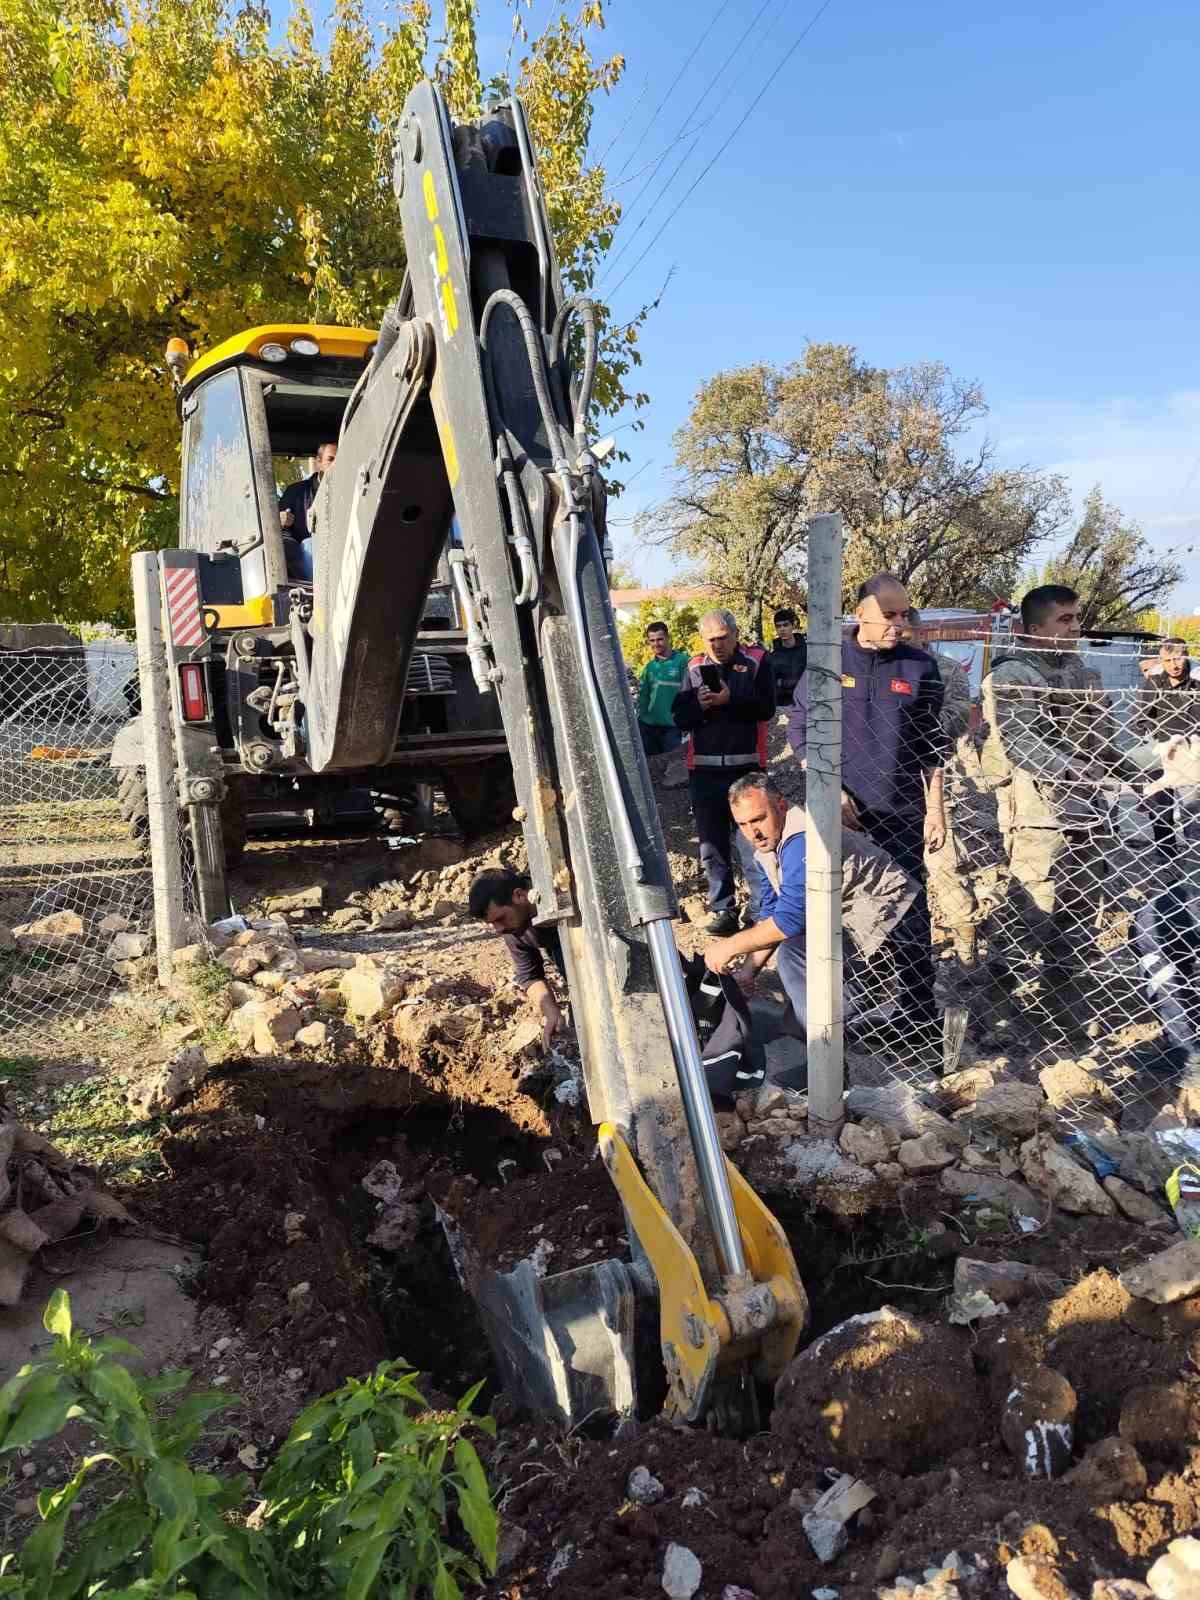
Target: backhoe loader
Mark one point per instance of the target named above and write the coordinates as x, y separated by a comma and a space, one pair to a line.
458, 621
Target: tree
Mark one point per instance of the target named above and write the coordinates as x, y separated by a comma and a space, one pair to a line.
1116, 573
1186, 628
683, 621
166, 170
766, 448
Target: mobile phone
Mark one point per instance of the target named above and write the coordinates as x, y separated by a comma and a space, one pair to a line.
710, 676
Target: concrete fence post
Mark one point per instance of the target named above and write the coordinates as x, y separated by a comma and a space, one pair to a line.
823, 822
159, 750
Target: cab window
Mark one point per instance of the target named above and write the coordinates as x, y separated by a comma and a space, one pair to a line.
220, 505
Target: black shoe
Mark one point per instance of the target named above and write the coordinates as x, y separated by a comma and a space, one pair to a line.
723, 925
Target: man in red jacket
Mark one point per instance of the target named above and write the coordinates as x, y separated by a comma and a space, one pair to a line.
724, 707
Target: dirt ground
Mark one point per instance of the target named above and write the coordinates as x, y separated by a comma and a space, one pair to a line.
304, 1188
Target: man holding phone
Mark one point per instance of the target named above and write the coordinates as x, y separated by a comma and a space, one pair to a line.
724, 707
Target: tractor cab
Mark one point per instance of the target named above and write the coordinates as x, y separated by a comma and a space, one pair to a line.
255, 411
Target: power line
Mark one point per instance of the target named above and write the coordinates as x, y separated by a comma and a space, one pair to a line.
616, 138
716, 16
734, 131
680, 132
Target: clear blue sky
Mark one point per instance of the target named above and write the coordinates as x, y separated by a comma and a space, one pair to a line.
1009, 188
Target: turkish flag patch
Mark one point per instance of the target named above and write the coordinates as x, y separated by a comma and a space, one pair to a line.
899, 686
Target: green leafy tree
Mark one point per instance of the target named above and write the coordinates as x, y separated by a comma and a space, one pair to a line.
165, 169
1165, 626
766, 448
1116, 573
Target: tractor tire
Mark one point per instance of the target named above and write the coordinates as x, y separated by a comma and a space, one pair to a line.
480, 794
135, 812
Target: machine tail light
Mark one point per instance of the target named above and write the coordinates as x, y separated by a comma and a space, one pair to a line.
193, 693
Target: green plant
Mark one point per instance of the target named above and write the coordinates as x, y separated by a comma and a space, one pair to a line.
168, 1529
359, 1503
361, 1489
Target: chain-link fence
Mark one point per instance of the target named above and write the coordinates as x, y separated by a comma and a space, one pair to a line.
75, 892
1051, 923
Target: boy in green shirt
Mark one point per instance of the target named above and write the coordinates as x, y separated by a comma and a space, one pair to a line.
662, 679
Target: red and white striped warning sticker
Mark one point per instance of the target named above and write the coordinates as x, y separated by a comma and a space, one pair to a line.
183, 607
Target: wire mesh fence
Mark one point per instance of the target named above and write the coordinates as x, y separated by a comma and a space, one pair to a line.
1054, 917
75, 890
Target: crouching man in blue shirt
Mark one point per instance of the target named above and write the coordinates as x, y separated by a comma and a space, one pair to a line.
876, 894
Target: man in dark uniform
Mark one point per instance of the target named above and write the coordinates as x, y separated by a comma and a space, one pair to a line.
501, 899
724, 707
1168, 708
295, 503
893, 746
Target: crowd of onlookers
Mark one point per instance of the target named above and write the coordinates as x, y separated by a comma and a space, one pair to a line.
1041, 753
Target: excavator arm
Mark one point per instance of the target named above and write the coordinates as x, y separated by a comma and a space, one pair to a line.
471, 423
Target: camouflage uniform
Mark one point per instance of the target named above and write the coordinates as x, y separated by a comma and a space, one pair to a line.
953, 899
1049, 741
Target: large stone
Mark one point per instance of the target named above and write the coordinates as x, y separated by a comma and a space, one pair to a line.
188, 955
1111, 1470
113, 922
1133, 1204
1037, 1423
56, 931
1010, 1109
681, 1573
371, 990
881, 1390
128, 947
963, 1088
326, 960
898, 1106
1071, 1083
313, 1036
924, 1155
1171, 1275
643, 1488
730, 1129
1048, 1168
1036, 1578
302, 900
1007, 1281
398, 920
867, 1146
277, 1024
242, 1022
1176, 1575
167, 1086
1005, 1193
1145, 1162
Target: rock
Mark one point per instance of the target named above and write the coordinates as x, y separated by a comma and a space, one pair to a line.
348, 919
242, 1021
1004, 1193
1007, 1281
1145, 1162
170, 1083
1035, 1578
890, 1172
1071, 1084
302, 900
8, 939
1110, 1470
57, 931
881, 1389
926, 1154
1047, 1167
242, 994
384, 1182
398, 920
189, 955
113, 922
1121, 1589
326, 960
370, 991
730, 1128
1171, 1275
898, 1106
277, 1023
1012, 1110
1037, 1423
396, 1228
963, 1088
293, 1227
312, 1036
887, 1564
643, 1487
1179, 1320
1176, 1575
524, 1038
867, 1146
563, 1558
512, 1541
128, 947
827, 1536
681, 1573
1133, 1204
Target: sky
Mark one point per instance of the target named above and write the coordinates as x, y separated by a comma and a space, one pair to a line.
1009, 188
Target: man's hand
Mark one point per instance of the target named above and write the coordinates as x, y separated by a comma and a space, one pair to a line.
718, 955
286, 519
850, 816
552, 1019
711, 700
